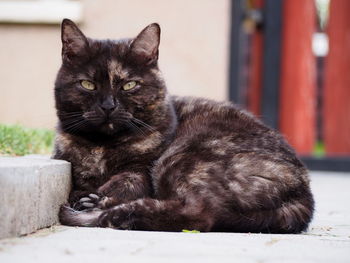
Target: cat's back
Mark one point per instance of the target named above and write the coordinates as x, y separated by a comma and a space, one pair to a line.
200, 115
222, 125
203, 112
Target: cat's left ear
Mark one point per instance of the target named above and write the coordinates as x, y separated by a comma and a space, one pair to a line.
144, 48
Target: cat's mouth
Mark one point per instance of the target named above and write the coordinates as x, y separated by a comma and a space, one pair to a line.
109, 123
95, 121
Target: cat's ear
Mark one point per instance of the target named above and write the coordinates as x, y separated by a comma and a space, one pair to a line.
144, 48
74, 43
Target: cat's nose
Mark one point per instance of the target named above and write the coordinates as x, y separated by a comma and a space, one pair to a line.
108, 108
108, 105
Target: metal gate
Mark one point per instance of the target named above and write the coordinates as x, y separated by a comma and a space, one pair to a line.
275, 73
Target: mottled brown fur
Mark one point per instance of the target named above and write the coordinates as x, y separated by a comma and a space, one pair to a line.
144, 160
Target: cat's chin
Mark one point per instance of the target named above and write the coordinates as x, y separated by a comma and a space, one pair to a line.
110, 128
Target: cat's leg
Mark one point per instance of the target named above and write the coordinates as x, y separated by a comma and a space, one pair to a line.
144, 214
120, 188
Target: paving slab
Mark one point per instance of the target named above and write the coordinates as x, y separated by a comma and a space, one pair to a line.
328, 239
32, 190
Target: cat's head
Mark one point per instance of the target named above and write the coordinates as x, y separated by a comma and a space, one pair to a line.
109, 86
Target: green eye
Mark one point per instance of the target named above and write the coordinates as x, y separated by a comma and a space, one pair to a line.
130, 85
87, 85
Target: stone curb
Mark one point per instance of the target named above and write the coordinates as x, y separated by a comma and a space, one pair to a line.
32, 190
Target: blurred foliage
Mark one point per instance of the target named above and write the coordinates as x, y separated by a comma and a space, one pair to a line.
319, 150
322, 8
18, 140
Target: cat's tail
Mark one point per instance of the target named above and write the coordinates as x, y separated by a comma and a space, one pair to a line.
70, 217
141, 214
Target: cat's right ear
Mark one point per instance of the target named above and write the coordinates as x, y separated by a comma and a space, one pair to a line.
74, 43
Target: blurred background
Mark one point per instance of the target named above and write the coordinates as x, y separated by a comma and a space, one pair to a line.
287, 61
194, 51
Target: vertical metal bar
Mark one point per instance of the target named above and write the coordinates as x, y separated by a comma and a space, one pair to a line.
235, 76
271, 62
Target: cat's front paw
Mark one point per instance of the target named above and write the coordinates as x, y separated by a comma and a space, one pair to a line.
88, 202
120, 217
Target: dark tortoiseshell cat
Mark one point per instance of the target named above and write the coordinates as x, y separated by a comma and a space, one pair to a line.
144, 160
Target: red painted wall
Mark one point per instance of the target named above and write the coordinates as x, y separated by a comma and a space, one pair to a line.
337, 80
255, 69
298, 75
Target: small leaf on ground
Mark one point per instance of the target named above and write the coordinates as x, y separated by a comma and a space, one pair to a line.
190, 231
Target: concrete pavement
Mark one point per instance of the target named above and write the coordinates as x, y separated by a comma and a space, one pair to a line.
328, 239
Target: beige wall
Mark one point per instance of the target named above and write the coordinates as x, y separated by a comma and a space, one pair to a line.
193, 52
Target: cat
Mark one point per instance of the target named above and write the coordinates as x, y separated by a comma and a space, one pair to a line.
145, 160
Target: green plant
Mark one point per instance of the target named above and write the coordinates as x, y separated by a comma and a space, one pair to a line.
319, 150
18, 140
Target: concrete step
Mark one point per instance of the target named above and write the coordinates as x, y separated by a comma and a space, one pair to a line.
32, 190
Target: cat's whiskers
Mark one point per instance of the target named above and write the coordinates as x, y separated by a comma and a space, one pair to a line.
72, 124
75, 124
135, 127
96, 118
78, 125
69, 121
143, 124
123, 119
70, 114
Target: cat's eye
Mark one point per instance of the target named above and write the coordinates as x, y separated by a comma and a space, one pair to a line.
87, 85
130, 85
